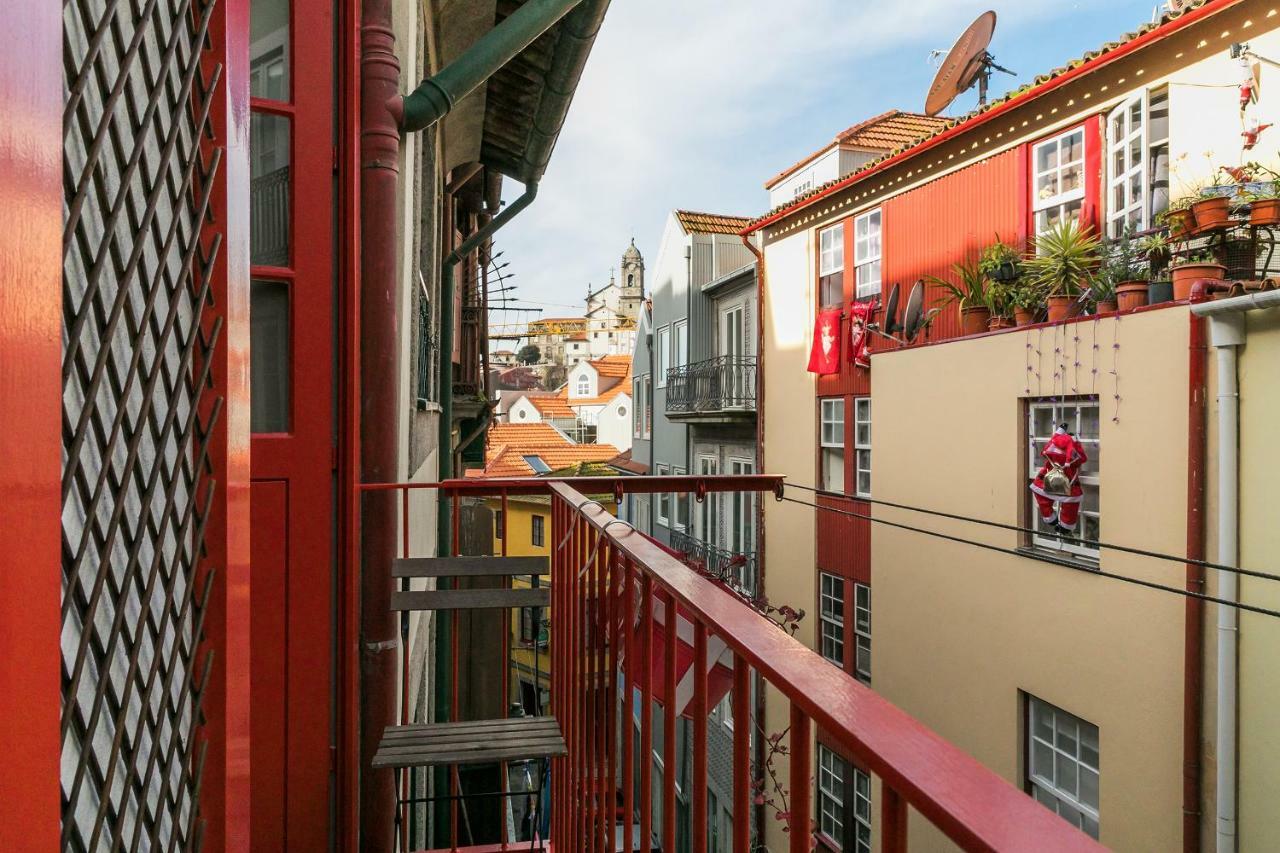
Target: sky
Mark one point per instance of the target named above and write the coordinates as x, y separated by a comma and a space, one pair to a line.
693, 104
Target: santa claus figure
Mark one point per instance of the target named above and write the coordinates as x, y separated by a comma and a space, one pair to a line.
1057, 486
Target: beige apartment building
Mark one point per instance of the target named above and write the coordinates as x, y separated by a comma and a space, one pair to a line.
1078, 670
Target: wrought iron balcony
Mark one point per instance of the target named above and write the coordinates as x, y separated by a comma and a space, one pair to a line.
736, 569
720, 386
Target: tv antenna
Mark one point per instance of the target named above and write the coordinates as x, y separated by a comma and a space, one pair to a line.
968, 62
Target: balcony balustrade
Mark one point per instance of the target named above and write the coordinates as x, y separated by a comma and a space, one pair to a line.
737, 569
634, 629
724, 385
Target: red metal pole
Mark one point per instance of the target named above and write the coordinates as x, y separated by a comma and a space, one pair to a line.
741, 755
31, 441
610, 657
801, 825
646, 711
628, 705
698, 708
893, 821
1193, 633
379, 409
670, 642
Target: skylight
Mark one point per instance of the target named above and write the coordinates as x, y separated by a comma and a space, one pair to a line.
535, 462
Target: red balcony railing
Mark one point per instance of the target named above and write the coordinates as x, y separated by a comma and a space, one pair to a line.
630, 622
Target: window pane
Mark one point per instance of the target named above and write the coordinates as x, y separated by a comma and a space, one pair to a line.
269, 137
269, 356
833, 469
269, 49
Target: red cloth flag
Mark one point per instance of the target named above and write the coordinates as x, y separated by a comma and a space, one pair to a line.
824, 358
859, 316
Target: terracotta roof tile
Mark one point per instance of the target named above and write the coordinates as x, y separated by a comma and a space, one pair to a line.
553, 405
885, 132
507, 460
624, 462
1023, 92
618, 366
710, 223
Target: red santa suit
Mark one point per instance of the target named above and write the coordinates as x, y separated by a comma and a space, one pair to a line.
1066, 451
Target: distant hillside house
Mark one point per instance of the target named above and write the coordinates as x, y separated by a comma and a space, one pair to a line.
593, 406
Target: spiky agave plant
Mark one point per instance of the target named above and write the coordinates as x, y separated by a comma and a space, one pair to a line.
971, 288
1064, 260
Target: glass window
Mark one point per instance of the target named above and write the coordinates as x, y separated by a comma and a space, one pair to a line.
1062, 763
834, 778
866, 253
538, 530
1081, 418
862, 446
499, 524
664, 499
1137, 161
831, 599
680, 501
663, 354
269, 189
831, 265
269, 368
680, 355
269, 49
832, 444
862, 631
1057, 179
584, 386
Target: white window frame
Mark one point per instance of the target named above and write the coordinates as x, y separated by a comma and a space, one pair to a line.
831, 615
637, 411
862, 446
733, 331
664, 498
708, 518
830, 263
832, 770
830, 440
868, 248
1062, 754
679, 504
1129, 123
583, 388
862, 632
1073, 412
680, 343
662, 349
1061, 203
648, 406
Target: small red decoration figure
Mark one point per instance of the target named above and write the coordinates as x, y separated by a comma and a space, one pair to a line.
859, 315
824, 357
1251, 133
1058, 481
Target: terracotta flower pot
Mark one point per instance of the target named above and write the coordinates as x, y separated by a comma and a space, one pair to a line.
1184, 275
999, 323
1130, 295
1024, 316
1107, 306
1181, 223
1060, 307
973, 320
1211, 213
1265, 211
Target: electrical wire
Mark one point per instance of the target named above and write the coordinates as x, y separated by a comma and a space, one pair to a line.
1067, 564
1092, 543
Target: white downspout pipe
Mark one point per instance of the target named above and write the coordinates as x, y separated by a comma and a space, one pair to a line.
1226, 335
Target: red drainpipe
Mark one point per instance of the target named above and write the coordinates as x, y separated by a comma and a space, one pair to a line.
379, 438
1193, 639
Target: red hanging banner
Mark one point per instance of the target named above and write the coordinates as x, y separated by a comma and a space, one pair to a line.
859, 316
824, 357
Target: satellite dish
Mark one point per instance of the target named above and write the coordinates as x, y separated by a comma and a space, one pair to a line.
967, 62
915, 304
891, 323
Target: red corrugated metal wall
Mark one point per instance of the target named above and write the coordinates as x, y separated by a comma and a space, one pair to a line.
936, 225
844, 542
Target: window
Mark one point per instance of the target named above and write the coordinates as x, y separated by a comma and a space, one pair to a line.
833, 771
862, 446
583, 388
680, 354
832, 444
831, 266
637, 417
538, 530
1137, 161
802, 187
1062, 763
648, 405
681, 504
499, 524
1081, 418
862, 632
742, 537
831, 595
1057, 179
663, 354
708, 529
664, 499
713, 822
866, 253
528, 625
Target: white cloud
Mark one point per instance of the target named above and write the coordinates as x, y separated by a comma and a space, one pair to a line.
694, 103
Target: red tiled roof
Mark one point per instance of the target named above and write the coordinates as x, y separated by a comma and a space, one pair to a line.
552, 405
623, 462
508, 460
884, 132
1024, 92
710, 223
618, 366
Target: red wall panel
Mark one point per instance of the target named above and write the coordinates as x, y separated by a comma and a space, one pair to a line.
844, 542
941, 223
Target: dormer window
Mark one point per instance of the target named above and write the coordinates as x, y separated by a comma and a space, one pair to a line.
584, 386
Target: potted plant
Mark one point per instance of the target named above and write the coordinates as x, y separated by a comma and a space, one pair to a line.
999, 262
1066, 257
970, 293
1196, 265
1264, 204
1211, 213
1120, 284
1025, 301
1178, 218
1156, 249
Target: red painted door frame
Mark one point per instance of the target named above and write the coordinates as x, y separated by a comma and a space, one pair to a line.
293, 477
31, 425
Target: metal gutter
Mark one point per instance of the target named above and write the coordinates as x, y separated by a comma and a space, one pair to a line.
727, 279
1151, 36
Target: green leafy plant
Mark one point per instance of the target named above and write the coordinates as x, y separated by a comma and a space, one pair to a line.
999, 262
971, 291
1065, 259
1155, 247
1120, 264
